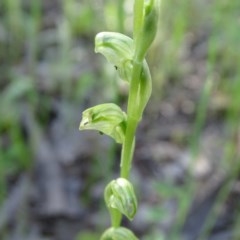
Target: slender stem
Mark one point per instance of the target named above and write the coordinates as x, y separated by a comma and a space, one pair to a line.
132, 122
138, 18
133, 108
128, 148
116, 217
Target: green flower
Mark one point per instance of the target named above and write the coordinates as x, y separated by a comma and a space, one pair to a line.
106, 118
118, 50
119, 194
119, 233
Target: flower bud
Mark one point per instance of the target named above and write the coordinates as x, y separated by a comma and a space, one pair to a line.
118, 49
119, 233
106, 118
119, 194
149, 30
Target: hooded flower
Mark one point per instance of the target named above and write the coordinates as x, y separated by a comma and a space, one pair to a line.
106, 118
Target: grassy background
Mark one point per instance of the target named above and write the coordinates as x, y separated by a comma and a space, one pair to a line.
42, 60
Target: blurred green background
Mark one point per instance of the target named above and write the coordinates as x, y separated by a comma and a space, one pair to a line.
188, 146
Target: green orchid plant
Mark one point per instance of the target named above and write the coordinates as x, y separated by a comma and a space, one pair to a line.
128, 57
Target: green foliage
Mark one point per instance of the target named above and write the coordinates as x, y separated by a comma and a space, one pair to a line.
80, 16
181, 20
12, 145
24, 45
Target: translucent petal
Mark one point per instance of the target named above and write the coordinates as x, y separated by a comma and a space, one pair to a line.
120, 195
119, 233
106, 118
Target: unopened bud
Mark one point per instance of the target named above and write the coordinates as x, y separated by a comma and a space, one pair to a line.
119, 194
149, 30
119, 233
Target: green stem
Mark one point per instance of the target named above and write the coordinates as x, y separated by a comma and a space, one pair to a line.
116, 217
133, 109
133, 113
138, 18
132, 122
128, 148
